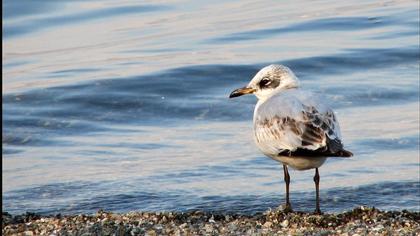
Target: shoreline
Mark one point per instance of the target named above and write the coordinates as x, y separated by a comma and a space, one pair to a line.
359, 221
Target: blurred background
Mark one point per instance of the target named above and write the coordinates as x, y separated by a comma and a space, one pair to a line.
123, 105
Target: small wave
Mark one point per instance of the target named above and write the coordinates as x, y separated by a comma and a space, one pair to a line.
353, 24
35, 117
327, 24
354, 60
18, 28
406, 143
48, 199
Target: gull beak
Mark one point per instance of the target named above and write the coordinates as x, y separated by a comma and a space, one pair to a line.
241, 91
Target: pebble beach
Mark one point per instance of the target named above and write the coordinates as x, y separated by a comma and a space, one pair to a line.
359, 221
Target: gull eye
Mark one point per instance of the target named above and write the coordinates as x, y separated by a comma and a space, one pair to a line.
264, 82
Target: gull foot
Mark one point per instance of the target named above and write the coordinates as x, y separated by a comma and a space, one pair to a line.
318, 212
286, 208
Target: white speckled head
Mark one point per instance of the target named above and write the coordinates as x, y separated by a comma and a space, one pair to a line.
268, 81
271, 80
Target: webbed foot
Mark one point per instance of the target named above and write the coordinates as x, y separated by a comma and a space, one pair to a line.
318, 212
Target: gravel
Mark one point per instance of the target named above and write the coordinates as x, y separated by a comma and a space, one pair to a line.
359, 221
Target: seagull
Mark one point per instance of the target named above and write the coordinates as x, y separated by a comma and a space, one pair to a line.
292, 126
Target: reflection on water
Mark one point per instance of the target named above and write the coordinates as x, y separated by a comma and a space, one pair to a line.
123, 106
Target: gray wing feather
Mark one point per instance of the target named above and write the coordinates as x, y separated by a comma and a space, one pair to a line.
287, 124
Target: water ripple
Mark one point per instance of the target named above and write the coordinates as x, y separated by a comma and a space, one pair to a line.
328, 24
332, 200
25, 26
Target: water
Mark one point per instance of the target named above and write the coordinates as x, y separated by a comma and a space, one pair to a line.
123, 105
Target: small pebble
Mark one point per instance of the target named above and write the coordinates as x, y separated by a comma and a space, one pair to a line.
275, 221
268, 224
28, 233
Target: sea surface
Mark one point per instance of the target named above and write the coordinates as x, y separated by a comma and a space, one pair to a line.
123, 105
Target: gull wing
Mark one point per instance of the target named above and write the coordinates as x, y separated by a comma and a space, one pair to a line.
292, 125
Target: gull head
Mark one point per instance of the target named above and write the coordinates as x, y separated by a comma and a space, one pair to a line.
268, 81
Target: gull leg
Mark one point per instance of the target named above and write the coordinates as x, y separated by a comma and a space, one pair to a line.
316, 180
288, 207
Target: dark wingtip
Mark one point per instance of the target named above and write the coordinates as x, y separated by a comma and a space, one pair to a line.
345, 153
